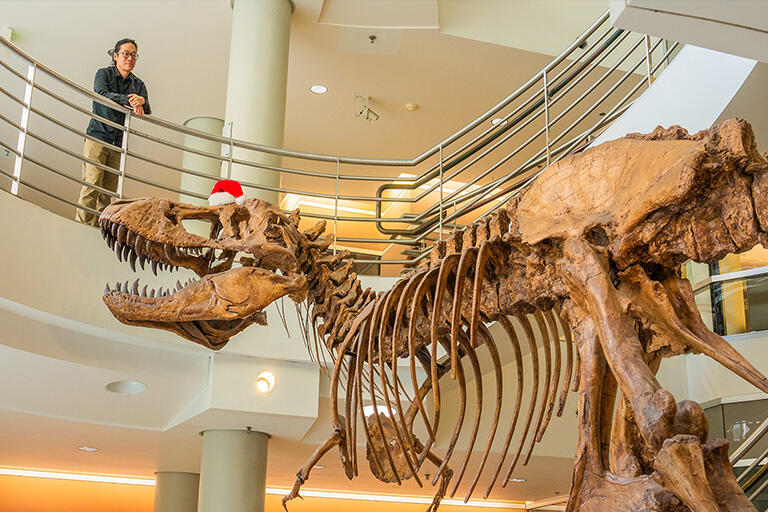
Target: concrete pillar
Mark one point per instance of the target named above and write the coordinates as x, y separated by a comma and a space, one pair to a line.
199, 163
233, 471
176, 491
256, 84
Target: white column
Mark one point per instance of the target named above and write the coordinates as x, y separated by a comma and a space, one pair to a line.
256, 84
233, 471
176, 491
199, 163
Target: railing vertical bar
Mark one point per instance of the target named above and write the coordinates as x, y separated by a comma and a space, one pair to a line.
24, 124
124, 154
648, 57
336, 208
546, 113
440, 152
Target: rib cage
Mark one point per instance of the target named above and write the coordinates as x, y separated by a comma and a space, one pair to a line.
444, 303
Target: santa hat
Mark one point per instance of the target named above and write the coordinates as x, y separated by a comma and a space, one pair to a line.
226, 192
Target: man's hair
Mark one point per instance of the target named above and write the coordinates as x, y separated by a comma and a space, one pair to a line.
120, 43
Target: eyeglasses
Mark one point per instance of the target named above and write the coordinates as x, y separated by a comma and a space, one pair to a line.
132, 55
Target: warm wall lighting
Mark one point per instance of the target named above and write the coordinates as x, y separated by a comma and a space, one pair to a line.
81, 477
449, 187
307, 493
394, 498
293, 201
265, 382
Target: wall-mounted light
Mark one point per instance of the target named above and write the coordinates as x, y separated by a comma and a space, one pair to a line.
265, 382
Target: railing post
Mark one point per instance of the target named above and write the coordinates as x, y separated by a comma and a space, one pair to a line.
336, 208
440, 228
22, 142
648, 58
124, 154
546, 112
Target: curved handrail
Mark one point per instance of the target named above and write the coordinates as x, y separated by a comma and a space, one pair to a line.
478, 152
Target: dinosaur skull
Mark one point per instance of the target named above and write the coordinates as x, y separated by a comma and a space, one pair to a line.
248, 261
661, 198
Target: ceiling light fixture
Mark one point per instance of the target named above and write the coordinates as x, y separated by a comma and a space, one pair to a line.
265, 382
89, 449
82, 477
126, 387
318, 89
517, 480
499, 120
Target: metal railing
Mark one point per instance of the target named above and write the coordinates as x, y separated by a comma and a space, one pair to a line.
403, 203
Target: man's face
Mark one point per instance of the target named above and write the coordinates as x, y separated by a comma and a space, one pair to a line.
125, 59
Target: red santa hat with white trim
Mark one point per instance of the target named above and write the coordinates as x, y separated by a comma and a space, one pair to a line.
226, 192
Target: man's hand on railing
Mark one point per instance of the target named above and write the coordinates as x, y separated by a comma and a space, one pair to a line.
137, 102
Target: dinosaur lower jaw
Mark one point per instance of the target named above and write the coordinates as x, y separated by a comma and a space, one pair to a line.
207, 311
212, 334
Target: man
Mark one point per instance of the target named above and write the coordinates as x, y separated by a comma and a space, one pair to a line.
118, 83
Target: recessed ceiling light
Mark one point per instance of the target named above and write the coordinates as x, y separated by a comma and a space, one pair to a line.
89, 449
516, 480
318, 466
498, 120
126, 387
318, 89
265, 382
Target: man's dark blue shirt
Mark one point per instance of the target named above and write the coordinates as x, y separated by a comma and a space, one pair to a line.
108, 82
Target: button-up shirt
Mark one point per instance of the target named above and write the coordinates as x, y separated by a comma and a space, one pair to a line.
109, 83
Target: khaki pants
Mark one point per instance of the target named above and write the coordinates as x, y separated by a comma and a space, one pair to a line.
91, 197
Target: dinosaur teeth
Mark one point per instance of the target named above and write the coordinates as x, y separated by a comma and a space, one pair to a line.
154, 267
178, 285
132, 261
139, 244
126, 251
142, 259
152, 293
122, 231
144, 291
106, 289
113, 229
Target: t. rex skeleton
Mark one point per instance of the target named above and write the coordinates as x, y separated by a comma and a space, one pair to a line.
591, 250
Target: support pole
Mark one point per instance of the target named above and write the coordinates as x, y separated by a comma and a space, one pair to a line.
233, 471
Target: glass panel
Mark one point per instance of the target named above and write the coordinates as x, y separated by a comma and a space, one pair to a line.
741, 419
714, 417
742, 306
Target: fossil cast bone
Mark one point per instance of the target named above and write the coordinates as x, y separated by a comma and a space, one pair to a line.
588, 257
